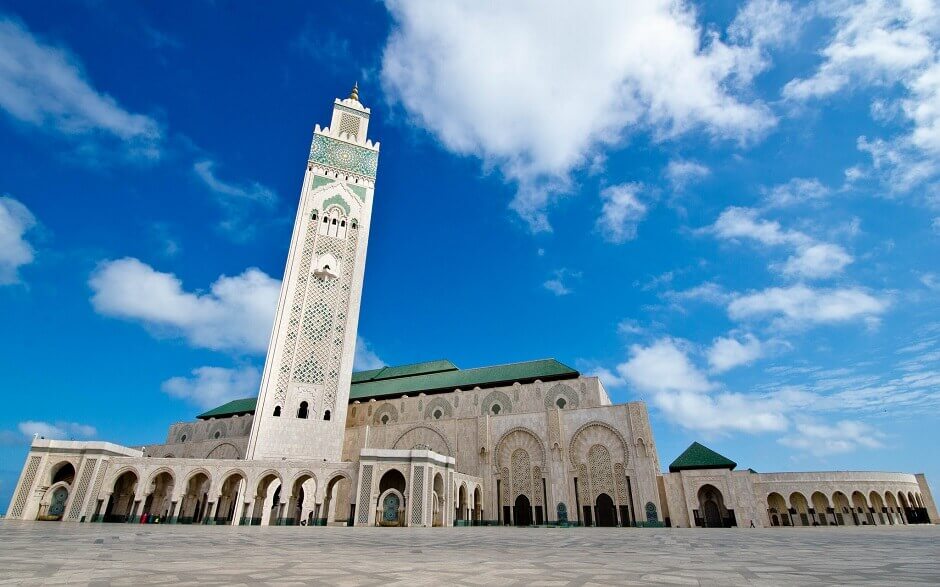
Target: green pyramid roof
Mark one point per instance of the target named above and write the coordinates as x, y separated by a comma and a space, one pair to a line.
698, 456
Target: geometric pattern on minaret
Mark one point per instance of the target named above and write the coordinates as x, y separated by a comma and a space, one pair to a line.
304, 393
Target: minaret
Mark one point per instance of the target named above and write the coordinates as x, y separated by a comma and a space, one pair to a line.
301, 410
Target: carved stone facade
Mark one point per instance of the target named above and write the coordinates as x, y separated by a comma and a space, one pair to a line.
533, 443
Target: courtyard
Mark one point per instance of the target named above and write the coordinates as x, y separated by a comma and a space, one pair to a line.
128, 554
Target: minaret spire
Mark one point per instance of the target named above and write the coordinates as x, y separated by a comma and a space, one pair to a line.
354, 94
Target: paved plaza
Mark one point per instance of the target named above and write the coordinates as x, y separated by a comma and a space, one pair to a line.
120, 554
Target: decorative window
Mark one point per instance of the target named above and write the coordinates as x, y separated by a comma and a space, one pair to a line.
183, 438
217, 434
438, 414
302, 411
326, 415
277, 411
496, 408
561, 403
385, 418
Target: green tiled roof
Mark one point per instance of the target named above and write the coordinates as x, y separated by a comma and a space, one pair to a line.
698, 456
449, 380
234, 407
430, 377
404, 371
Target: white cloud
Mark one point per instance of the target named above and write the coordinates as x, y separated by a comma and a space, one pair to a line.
663, 367
800, 191
817, 261
709, 292
738, 223
824, 439
811, 260
539, 88
885, 45
682, 392
729, 352
235, 314
56, 431
801, 304
45, 86
366, 358
560, 282
621, 213
15, 221
213, 386
682, 173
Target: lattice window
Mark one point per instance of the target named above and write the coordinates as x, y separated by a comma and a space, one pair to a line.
585, 485
79, 497
621, 478
417, 487
521, 472
349, 123
293, 323
365, 495
32, 467
507, 480
601, 477
537, 490
318, 317
340, 328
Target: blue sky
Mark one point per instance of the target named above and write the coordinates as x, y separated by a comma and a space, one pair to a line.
730, 211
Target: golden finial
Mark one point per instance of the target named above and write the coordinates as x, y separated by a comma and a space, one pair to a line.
354, 94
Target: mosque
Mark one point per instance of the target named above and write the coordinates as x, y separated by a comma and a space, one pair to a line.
428, 444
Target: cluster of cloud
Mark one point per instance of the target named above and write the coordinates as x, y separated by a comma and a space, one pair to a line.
665, 372
212, 386
538, 88
44, 86
15, 221
810, 260
234, 315
560, 281
879, 44
622, 211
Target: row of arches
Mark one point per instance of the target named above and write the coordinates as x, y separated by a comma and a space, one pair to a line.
232, 498
855, 509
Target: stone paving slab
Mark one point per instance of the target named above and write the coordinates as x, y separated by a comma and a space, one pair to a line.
49, 553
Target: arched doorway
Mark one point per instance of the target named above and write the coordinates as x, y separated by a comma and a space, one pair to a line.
336, 507
227, 508
878, 505
606, 512
437, 495
158, 501
821, 506
193, 508
522, 512
390, 506
300, 499
121, 502
477, 506
860, 509
800, 508
777, 510
463, 509
712, 510
844, 515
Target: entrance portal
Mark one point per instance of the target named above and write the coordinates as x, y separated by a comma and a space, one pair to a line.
606, 514
522, 513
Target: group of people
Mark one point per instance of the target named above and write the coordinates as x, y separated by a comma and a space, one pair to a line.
146, 518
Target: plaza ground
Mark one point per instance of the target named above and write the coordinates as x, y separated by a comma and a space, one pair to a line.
36, 553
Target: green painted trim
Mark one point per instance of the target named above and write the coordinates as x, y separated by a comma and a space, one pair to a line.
358, 190
319, 180
336, 200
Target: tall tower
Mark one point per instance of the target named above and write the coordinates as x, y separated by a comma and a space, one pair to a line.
301, 410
